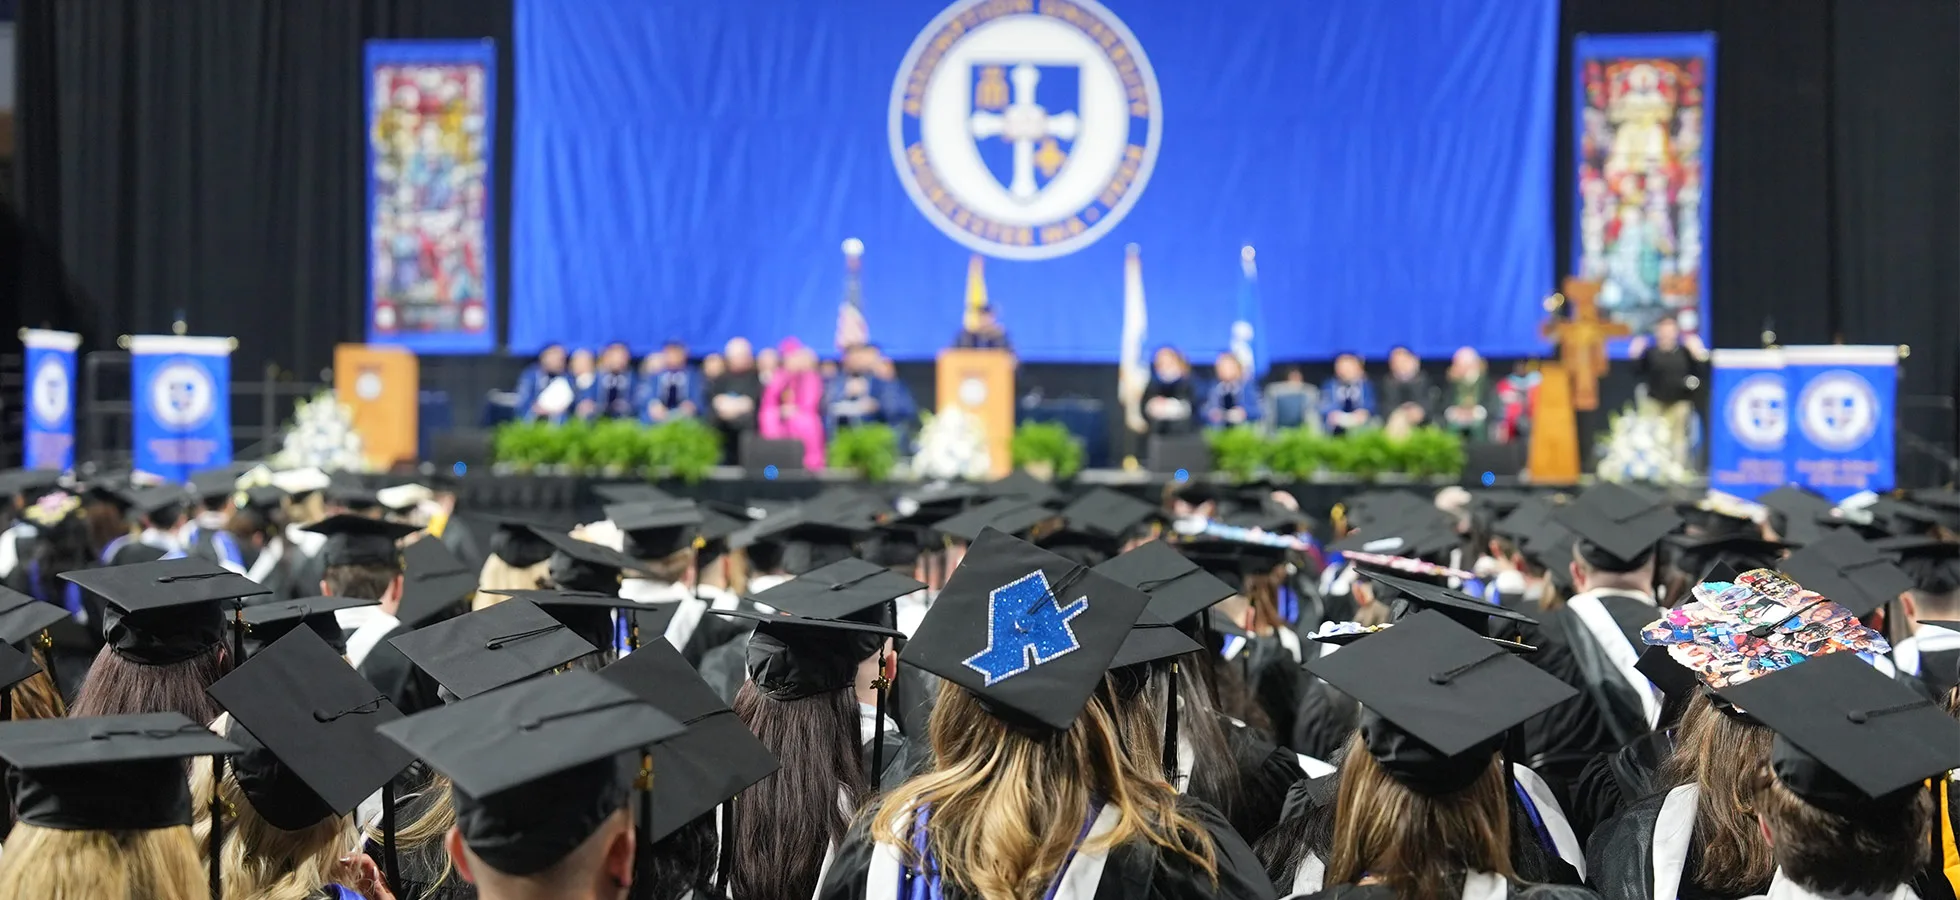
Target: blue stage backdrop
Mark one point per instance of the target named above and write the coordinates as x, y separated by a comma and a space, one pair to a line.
689, 170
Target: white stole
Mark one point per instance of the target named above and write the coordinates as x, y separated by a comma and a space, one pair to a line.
269, 557
1564, 840
1781, 888
1078, 881
1606, 632
364, 638
1674, 830
1925, 639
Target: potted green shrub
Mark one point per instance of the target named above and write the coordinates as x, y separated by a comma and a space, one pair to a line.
870, 450
1047, 450
1240, 452
1300, 453
682, 448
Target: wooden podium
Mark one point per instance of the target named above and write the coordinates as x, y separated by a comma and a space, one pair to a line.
980, 383
382, 385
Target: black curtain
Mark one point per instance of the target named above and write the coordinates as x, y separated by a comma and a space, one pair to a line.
203, 159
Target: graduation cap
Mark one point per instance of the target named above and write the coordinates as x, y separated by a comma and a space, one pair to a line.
517, 541
1849, 571
1027, 632
105, 773
306, 721
656, 530
347, 491
167, 611
1178, 587
1412, 597
1677, 683
360, 541
163, 501
1794, 512
578, 565
1021, 486
434, 581
268, 622
1934, 567
1108, 513
403, 497
537, 767
28, 482
1524, 519
1231, 561
22, 618
492, 647
1719, 513
1151, 639
717, 757
1849, 739
938, 501
298, 483
1013, 515
1414, 536
1695, 555
588, 613
1437, 699
630, 492
219, 483
806, 525
264, 499
1618, 526
853, 589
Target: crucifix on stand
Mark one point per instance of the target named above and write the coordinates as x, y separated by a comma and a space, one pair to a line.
1569, 384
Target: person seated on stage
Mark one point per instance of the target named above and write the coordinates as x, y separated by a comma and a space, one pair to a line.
1170, 402
1672, 366
1347, 400
733, 394
1406, 393
792, 403
1234, 398
767, 363
615, 391
1467, 400
852, 396
983, 331
668, 389
583, 377
900, 408
538, 376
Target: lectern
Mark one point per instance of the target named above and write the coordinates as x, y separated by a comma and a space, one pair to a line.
382, 385
980, 383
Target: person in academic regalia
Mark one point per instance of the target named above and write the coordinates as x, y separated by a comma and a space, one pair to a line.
20, 489
362, 560
433, 585
1263, 654
1421, 809
207, 534
60, 546
1170, 402
26, 625
1932, 610
1032, 792
159, 512
164, 628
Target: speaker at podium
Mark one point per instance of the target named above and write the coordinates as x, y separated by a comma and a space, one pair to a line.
382, 385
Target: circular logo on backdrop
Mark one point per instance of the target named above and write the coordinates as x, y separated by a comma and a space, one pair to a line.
50, 392
1025, 129
182, 395
1838, 411
1758, 412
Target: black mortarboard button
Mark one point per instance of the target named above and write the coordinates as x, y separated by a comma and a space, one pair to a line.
1623, 523
1438, 699
1178, 587
1020, 485
1933, 567
1027, 632
656, 530
268, 622
578, 565
628, 492
537, 767
492, 647
587, 613
1845, 569
166, 611
361, 541
105, 773
434, 582
1108, 513
716, 759
1848, 736
1415, 596
22, 617
1013, 515
306, 721
516, 542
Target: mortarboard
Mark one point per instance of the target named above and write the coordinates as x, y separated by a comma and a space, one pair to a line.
658, 529
1847, 736
847, 589
492, 647
299, 482
264, 498
1108, 513
1934, 567
588, 613
1845, 569
1152, 639
578, 565
156, 500
630, 492
28, 481
167, 611
434, 581
536, 767
22, 617
1524, 519
1719, 514
1618, 526
268, 622
1013, 515
1414, 596
403, 497
825, 623
1022, 486
802, 524
1416, 536
307, 723
218, 483
105, 773
713, 761
1695, 555
360, 541
1028, 633
1437, 699
1231, 561
516, 541
348, 491
1178, 587
1794, 513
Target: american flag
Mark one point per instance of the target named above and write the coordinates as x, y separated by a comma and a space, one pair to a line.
852, 329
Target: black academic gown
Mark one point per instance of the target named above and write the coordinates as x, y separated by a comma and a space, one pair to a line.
1516, 892
1620, 857
1132, 872
1266, 772
1614, 781
405, 684
1275, 679
1560, 741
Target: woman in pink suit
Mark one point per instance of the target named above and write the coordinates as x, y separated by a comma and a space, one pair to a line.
791, 403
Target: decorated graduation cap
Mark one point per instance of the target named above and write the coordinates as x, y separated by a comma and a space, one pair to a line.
23, 618
658, 529
1849, 740
537, 767
1012, 515
1934, 567
360, 541
1617, 526
492, 647
1742, 628
1178, 587
1028, 633
578, 565
1413, 533
167, 611
1437, 699
1849, 571
434, 582
266, 623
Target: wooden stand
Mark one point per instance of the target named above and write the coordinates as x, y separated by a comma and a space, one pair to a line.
1554, 429
980, 383
382, 385
1571, 384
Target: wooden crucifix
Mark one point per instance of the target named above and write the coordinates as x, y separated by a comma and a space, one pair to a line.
1581, 340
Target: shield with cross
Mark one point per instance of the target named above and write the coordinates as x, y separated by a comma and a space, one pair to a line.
1024, 121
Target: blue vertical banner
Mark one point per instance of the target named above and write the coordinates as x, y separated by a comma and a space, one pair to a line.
180, 391
431, 123
1749, 422
1643, 111
1843, 408
49, 441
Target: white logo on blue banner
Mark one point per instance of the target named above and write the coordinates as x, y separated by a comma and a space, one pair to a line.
1025, 130
182, 395
1758, 413
50, 392
1838, 410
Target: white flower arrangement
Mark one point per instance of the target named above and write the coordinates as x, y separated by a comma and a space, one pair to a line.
322, 436
1640, 447
952, 445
